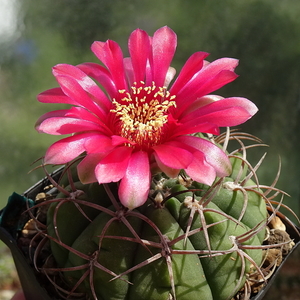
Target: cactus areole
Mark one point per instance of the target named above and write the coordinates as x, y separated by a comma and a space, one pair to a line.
151, 204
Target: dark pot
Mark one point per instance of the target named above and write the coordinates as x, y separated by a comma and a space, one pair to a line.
13, 218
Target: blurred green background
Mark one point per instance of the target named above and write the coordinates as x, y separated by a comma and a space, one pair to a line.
264, 35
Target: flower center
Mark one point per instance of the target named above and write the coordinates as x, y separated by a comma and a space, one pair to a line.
142, 113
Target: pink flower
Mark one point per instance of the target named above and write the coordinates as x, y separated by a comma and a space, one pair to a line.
129, 123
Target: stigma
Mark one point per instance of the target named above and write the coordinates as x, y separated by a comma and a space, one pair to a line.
142, 113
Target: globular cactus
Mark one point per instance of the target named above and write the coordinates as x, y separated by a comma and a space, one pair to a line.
188, 241
150, 206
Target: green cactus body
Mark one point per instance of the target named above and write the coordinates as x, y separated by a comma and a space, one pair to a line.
181, 248
72, 217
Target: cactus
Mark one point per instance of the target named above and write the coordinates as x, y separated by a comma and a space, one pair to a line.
151, 203
187, 241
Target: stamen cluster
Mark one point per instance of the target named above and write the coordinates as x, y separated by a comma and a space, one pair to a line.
142, 113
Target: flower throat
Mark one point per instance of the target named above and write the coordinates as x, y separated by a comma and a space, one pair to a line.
142, 113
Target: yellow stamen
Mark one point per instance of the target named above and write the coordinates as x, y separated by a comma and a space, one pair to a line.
142, 113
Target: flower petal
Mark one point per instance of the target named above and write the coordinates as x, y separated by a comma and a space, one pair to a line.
98, 143
75, 91
55, 95
193, 65
223, 113
87, 84
118, 140
214, 156
172, 156
135, 185
66, 149
221, 79
202, 101
208, 79
100, 74
129, 71
66, 121
59, 126
160, 167
193, 127
113, 166
86, 168
164, 44
111, 55
170, 75
199, 170
139, 49
62, 125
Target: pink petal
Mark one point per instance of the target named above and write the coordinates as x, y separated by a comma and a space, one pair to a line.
98, 143
55, 95
199, 170
214, 68
193, 65
214, 156
139, 49
170, 172
82, 113
69, 121
66, 149
135, 185
164, 44
113, 166
149, 73
86, 168
200, 102
208, 79
172, 156
102, 75
59, 126
170, 75
65, 125
194, 127
209, 72
111, 55
129, 71
215, 83
85, 82
73, 90
119, 140
224, 113
203, 88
